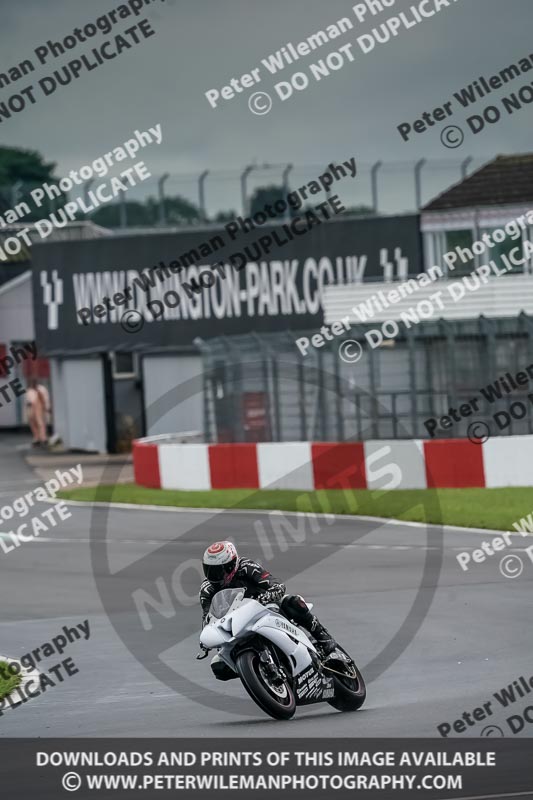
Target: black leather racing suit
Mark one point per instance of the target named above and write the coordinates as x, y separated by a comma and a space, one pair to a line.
259, 584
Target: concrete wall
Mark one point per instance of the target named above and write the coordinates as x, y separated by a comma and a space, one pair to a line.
16, 311
79, 403
16, 325
386, 465
173, 393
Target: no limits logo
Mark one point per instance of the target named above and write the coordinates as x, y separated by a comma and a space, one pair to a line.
52, 297
161, 588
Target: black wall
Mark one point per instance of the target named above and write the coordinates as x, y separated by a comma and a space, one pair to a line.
275, 292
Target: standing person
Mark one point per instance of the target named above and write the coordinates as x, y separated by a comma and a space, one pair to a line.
37, 408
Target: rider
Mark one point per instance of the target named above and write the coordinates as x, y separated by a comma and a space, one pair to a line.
224, 569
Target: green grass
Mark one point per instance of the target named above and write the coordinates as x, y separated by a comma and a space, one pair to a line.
8, 683
479, 508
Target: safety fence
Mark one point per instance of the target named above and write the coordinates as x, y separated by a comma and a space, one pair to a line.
258, 387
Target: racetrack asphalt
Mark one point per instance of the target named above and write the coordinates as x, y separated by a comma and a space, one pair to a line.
362, 575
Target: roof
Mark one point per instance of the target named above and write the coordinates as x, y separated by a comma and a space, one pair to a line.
81, 229
507, 180
14, 282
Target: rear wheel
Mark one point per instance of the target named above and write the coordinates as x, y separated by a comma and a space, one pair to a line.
348, 684
274, 697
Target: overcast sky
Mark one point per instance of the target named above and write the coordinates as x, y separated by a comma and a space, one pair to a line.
202, 44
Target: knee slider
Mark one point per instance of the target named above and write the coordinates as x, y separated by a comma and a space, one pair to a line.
295, 607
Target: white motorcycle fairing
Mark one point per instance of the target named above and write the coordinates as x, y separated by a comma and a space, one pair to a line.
280, 631
234, 618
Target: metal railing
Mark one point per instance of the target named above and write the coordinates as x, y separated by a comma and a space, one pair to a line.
381, 187
259, 388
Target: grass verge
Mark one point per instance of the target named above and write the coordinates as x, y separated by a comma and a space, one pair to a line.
479, 508
7, 684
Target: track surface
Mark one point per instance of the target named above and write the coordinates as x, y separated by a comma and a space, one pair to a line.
362, 576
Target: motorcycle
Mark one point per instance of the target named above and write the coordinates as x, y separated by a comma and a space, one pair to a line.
278, 664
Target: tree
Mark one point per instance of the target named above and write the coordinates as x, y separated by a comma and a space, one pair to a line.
17, 164
266, 196
21, 171
108, 215
178, 211
225, 216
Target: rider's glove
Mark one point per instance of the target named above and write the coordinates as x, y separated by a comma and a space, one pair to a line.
270, 596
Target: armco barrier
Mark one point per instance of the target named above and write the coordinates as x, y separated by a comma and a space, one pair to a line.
405, 464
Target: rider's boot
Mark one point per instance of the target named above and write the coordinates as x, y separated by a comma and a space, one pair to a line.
296, 609
325, 641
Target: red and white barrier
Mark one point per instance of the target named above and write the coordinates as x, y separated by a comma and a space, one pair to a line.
404, 464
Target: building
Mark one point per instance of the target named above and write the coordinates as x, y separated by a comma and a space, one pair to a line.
435, 354
17, 327
440, 311
200, 362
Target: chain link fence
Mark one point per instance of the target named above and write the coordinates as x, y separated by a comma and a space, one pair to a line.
261, 389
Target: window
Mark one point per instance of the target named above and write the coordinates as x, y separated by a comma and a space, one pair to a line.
503, 248
125, 365
464, 240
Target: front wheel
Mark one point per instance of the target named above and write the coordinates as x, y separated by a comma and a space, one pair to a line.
277, 700
349, 686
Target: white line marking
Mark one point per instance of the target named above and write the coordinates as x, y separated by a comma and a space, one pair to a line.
337, 545
15, 494
16, 483
353, 517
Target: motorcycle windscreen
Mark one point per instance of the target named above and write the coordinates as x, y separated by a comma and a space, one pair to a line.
223, 601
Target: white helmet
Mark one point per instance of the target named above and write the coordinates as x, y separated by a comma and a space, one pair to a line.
220, 563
